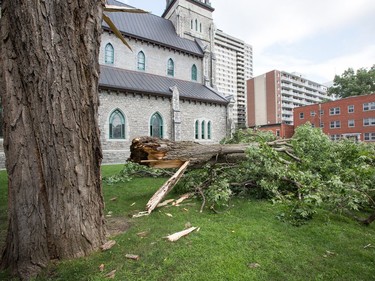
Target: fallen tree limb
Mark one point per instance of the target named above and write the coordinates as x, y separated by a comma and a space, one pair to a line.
162, 153
166, 188
175, 236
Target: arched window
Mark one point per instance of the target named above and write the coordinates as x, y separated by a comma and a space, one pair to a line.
194, 73
196, 25
209, 130
109, 56
203, 129
156, 126
196, 129
117, 125
170, 68
141, 61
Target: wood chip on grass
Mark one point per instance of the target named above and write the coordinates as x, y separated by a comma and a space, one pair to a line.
108, 245
176, 236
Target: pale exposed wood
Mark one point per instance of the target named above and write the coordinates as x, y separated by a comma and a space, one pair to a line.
108, 245
166, 188
183, 198
175, 236
165, 203
140, 214
132, 257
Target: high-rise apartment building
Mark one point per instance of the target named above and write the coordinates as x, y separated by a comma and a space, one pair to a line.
272, 96
234, 65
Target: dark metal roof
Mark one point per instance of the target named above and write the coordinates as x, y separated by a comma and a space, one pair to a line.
151, 28
135, 81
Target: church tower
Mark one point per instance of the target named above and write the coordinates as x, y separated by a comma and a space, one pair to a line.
193, 20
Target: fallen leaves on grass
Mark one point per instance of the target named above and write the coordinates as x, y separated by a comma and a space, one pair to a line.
111, 275
253, 265
329, 254
101, 267
142, 234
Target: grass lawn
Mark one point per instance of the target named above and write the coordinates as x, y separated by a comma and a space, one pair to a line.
245, 243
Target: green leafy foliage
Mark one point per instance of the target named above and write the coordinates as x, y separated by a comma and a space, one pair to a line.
352, 83
304, 174
249, 136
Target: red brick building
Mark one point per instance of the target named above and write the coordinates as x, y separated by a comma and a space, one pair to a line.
280, 130
352, 117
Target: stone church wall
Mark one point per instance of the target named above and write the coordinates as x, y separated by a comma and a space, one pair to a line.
138, 110
156, 58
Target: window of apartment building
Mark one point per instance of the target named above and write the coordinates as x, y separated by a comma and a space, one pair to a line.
141, 61
335, 124
369, 106
321, 124
351, 123
312, 125
117, 125
369, 137
277, 133
350, 108
156, 125
321, 112
170, 68
312, 113
335, 137
109, 54
369, 122
334, 111
194, 73
301, 115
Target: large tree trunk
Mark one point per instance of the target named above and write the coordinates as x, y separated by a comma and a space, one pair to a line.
49, 90
162, 153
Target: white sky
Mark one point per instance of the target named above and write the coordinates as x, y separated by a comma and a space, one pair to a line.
317, 38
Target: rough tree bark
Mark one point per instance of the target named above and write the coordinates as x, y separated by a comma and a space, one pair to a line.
49, 90
162, 153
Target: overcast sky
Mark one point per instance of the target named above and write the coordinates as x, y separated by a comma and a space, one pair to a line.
317, 38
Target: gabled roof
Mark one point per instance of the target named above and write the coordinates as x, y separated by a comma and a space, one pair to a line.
151, 28
141, 82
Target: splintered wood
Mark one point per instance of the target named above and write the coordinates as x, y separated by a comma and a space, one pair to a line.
175, 236
166, 188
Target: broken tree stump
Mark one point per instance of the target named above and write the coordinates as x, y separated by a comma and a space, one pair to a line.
162, 153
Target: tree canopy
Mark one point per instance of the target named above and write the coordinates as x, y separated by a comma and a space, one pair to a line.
354, 83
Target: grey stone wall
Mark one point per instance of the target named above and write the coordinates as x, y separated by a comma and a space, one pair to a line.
138, 110
156, 58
